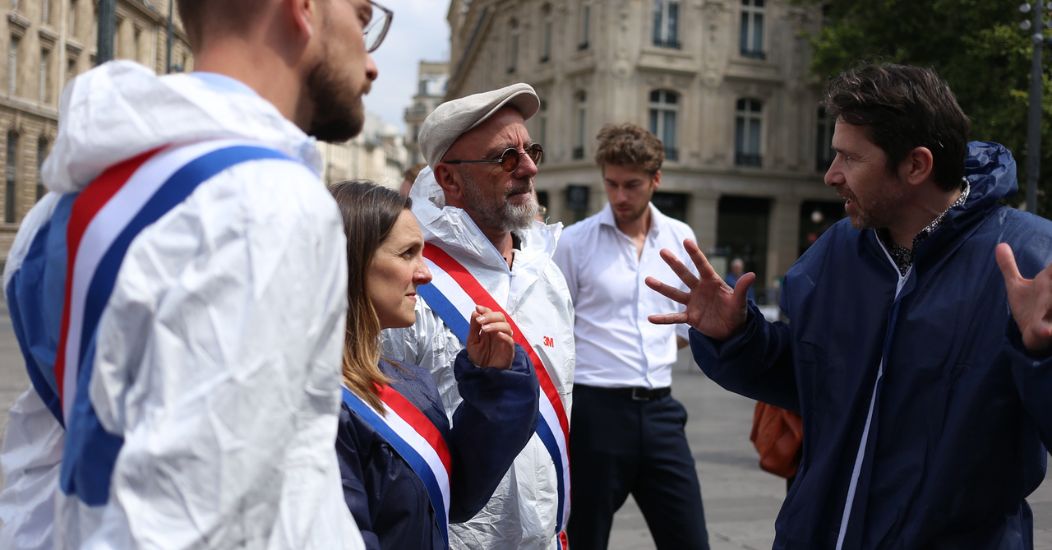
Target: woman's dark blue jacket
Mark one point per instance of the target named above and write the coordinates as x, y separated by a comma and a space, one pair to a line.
497, 417
960, 414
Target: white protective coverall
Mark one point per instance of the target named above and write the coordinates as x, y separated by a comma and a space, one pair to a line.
218, 353
523, 510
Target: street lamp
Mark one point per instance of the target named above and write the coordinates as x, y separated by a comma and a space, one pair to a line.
171, 32
107, 24
1036, 24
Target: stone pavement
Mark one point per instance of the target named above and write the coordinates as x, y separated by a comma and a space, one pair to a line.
741, 501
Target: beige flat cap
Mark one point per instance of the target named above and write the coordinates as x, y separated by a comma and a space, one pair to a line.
451, 119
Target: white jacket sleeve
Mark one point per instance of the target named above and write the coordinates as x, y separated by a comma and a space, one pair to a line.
32, 449
31, 459
218, 360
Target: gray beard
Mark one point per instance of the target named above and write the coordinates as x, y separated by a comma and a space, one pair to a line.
507, 216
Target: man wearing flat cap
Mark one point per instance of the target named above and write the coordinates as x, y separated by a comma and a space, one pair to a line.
476, 206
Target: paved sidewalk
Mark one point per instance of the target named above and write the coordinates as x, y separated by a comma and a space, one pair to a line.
741, 501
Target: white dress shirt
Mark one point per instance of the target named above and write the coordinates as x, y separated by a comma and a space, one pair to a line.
616, 345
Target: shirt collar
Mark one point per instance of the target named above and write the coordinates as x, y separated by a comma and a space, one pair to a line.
903, 256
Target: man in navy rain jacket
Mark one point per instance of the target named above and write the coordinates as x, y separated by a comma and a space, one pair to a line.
919, 358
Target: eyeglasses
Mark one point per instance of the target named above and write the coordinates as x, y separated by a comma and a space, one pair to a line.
509, 159
376, 30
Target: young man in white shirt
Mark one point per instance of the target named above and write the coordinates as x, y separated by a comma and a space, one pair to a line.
626, 434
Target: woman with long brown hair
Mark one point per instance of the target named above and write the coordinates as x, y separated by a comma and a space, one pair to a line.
406, 471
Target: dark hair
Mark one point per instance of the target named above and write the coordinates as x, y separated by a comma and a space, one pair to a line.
629, 145
903, 107
369, 213
414, 170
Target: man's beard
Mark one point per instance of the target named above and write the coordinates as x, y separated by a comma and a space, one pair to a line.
504, 215
338, 114
632, 216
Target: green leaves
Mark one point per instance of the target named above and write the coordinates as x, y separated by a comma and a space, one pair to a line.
975, 45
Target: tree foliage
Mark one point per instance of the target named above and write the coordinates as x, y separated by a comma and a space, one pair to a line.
975, 45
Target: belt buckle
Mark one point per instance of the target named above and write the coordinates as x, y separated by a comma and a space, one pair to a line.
640, 394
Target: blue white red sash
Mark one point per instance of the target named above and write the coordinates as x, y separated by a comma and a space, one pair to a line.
452, 294
105, 218
417, 441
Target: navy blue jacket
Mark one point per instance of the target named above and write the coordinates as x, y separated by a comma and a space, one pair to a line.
490, 427
961, 415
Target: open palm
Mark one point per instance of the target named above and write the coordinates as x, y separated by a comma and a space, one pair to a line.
1030, 301
713, 308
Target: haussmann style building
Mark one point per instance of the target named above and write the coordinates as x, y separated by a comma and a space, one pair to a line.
43, 45
725, 84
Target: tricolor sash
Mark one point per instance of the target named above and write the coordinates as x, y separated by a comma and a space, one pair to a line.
416, 439
106, 217
453, 294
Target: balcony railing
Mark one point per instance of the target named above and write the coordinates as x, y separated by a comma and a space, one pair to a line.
667, 43
754, 54
748, 159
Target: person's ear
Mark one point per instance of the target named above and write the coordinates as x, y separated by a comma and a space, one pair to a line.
918, 166
450, 182
302, 15
656, 179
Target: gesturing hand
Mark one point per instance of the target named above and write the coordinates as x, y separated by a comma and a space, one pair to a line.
713, 308
1030, 300
490, 342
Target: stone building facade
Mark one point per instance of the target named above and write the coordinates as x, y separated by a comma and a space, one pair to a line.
43, 45
724, 84
378, 153
430, 92
46, 43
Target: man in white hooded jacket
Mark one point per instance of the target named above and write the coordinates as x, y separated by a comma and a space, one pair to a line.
476, 206
179, 296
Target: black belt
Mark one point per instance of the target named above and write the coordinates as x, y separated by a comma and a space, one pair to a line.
635, 394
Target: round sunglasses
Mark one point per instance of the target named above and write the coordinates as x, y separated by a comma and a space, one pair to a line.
509, 158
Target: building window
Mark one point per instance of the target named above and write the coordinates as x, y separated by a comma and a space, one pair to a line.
513, 44
577, 199
10, 171
71, 66
44, 76
815, 218
748, 125
666, 24
580, 123
118, 42
663, 107
137, 42
41, 155
823, 141
16, 5
546, 33
742, 231
12, 65
45, 12
673, 205
584, 26
751, 39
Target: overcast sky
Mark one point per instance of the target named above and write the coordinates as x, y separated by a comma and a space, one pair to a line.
419, 31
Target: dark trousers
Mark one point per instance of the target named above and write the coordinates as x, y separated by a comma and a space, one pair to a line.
620, 446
